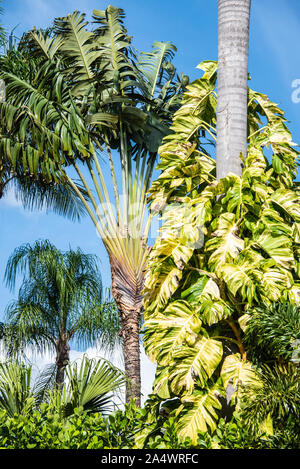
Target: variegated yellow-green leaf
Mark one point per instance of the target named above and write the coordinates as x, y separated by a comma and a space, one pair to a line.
289, 201
213, 309
278, 247
240, 278
225, 245
161, 383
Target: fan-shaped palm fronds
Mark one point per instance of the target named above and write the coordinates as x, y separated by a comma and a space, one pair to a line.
91, 384
226, 247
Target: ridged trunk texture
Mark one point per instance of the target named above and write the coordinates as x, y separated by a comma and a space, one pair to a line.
126, 290
233, 45
62, 359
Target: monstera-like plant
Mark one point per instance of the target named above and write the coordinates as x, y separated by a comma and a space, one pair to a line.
226, 246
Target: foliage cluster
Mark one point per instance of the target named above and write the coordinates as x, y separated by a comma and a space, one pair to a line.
222, 287
227, 249
45, 429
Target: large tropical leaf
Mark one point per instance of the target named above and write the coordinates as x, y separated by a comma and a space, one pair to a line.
151, 65
225, 244
178, 324
238, 372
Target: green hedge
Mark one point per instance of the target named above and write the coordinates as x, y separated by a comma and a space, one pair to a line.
44, 429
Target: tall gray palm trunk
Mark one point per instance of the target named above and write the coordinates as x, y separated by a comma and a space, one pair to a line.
233, 43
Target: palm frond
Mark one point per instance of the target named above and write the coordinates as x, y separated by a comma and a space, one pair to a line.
271, 331
90, 385
151, 65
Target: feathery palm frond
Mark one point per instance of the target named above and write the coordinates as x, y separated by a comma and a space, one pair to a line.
276, 397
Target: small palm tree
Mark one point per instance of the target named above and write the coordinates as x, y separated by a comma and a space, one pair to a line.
90, 384
60, 299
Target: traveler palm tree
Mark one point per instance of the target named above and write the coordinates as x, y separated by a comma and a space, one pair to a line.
60, 299
88, 96
233, 40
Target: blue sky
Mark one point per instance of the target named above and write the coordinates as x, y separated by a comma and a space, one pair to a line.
274, 64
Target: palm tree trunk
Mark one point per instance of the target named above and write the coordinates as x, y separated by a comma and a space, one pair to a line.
62, 359
233, 44
126, 290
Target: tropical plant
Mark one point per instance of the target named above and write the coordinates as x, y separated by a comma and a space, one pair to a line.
2, 30
16, 394
60, 299
272, 340
233, 40
20, 168
225, 248
273, 334
272, 404
84, 94
90, 385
